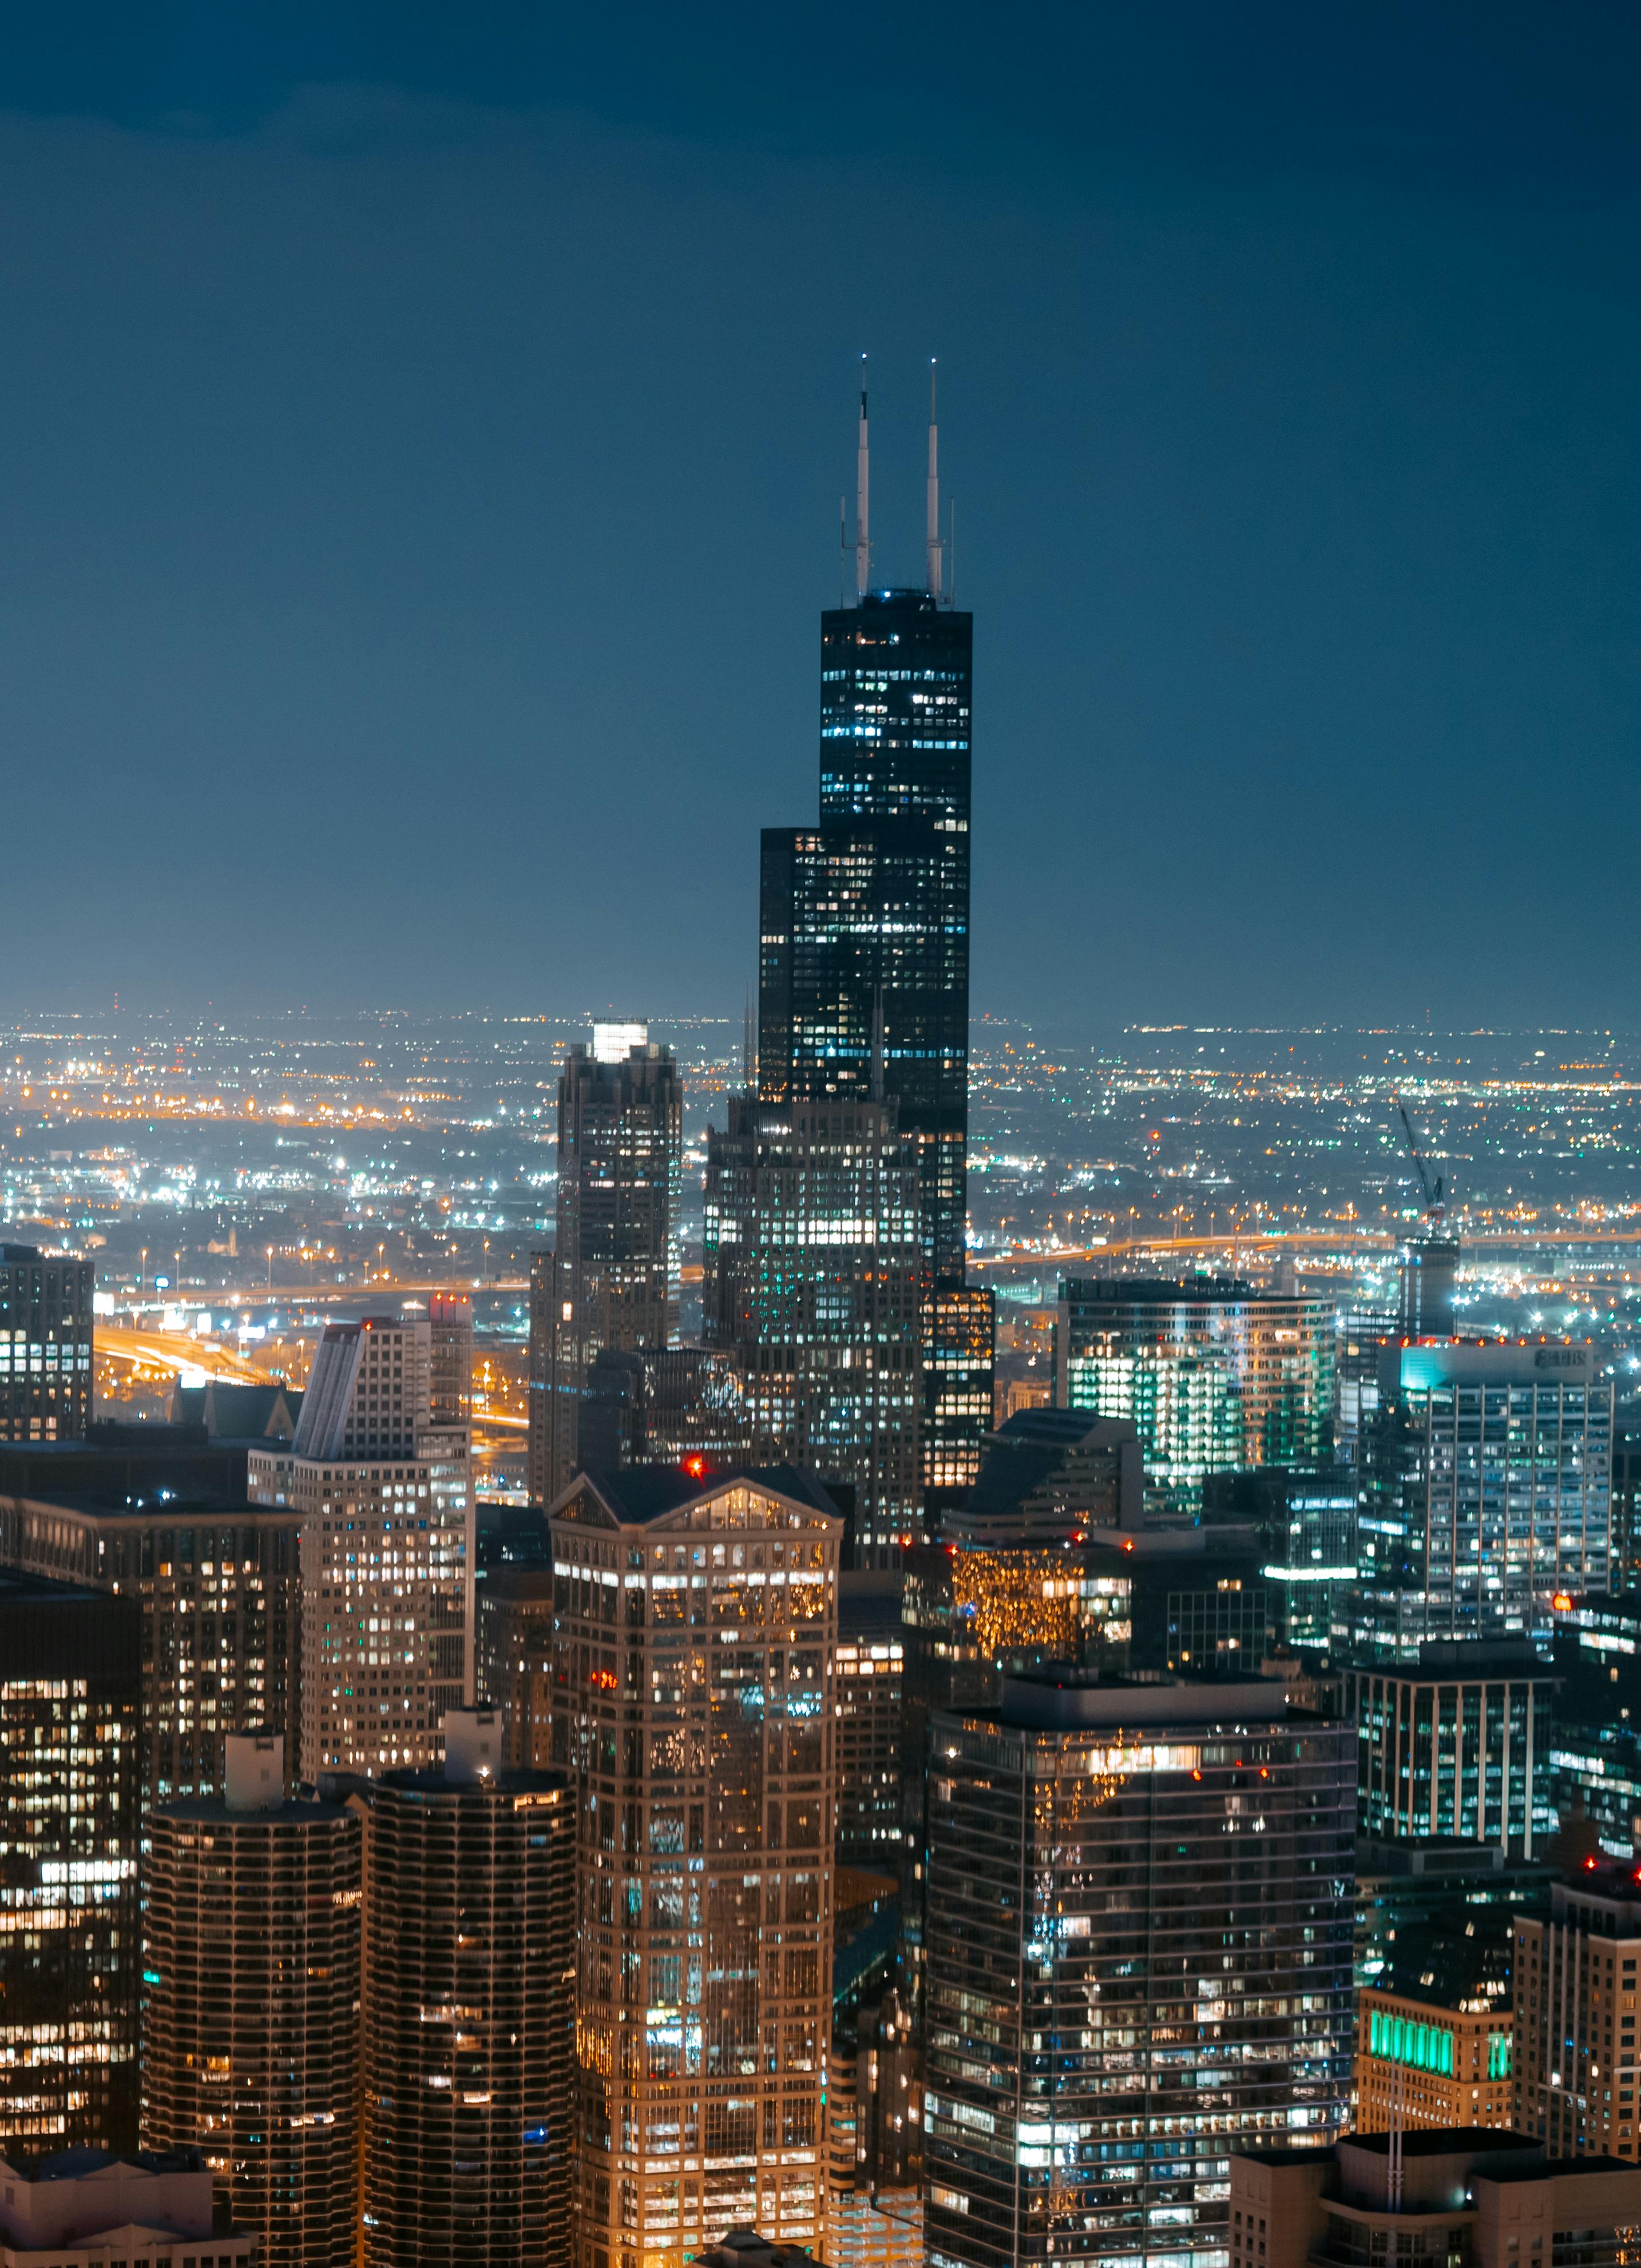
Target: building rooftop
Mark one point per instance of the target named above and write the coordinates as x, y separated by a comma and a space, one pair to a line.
637, 1494
1065, 1699
28, 1591
1457, 1958
1168, 1291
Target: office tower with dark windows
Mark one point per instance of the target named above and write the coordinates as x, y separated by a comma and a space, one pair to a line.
1457, 1743
612, 1280
70, 1820
863, 964
960, 1366
215, 1582
863, 992
515, 1655
668, 1406
1402, 1886
1304, 1517
1139, 1942
1486, 1493
251, 1963
871, 1708
813, 1285
1595, 1752
387, 1542
1576, 1973
450, 1359
45, 1344
697, 1626
469, 2015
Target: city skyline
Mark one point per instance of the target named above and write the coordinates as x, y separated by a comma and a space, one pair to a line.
1284, 385
904, 1530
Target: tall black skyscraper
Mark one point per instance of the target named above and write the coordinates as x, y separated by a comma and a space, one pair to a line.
864, 918
862, 985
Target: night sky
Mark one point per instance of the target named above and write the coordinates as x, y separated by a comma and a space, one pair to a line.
421, 430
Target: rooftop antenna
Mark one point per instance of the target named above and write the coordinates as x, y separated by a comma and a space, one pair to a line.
843, 551
749, 1051
862, 535
934, 492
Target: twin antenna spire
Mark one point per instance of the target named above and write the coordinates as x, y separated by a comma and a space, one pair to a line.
934, 546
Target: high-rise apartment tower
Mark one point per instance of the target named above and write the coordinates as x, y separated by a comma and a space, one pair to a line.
250, 2003
387, 1550
469, 2013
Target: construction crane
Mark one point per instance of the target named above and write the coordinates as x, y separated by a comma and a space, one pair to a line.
1433, 1206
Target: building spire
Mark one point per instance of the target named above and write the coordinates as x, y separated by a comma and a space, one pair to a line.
934, 493
862, 538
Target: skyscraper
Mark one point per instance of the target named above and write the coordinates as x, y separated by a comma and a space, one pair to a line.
1434, 2029
696, 1632
469, 2010
814, 1283
1138, 1959
250, 2003
1214, 1373
863, 990
70, 1815
450, 1357
387, 1550
45, 1344
1456, 1744
215, 1582
1487, 1493
1575, 1974
612, 1280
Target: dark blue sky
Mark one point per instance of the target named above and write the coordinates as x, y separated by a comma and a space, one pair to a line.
422, 429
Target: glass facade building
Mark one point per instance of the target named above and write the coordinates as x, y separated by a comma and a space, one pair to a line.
1487, 1492
45, 1344
814, 1283
217, 1586
1455, 1745
864, 919
70, 1813
863, 987
1595, 1752
612, 1280
1138, 1959
1214, 1373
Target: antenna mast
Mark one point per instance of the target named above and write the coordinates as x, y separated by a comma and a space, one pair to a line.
934, 493
863, 536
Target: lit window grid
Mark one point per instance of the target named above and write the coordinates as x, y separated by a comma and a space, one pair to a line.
1112, 2083
696, 1681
